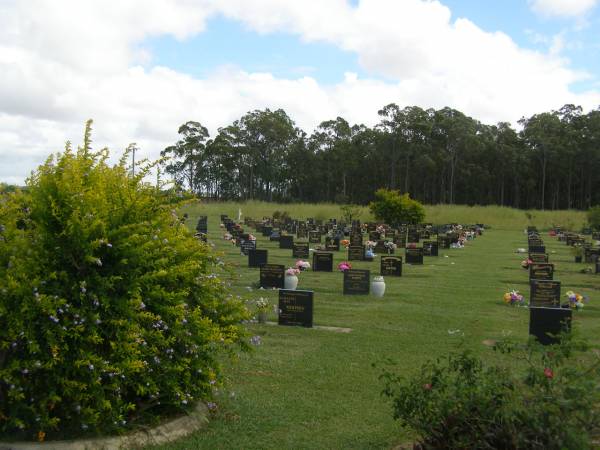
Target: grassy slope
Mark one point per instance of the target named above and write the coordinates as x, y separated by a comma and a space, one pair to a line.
317, 389
496, 216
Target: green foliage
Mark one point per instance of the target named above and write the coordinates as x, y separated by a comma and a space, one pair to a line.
593, 217
459, 402
350, 213
111, 313
394, 208
281, 215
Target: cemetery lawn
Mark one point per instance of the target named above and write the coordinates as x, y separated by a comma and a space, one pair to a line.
318, 389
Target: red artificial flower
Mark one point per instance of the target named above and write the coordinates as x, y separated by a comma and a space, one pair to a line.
548, 373
427, 386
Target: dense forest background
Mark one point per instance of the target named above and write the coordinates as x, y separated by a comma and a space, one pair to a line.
439, 156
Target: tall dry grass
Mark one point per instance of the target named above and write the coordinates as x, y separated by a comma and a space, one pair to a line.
494, 216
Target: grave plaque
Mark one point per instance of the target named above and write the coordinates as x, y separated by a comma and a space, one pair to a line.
301, 233
539, 257
322, 262
414, 256
275, 235
314, 237
356, 253
257, 257
356, 282
271, 276
246, 246
544, 322
286, 242
300, 250
541, 271
391, 266
267, 230
295, 308
332, 244
544, 293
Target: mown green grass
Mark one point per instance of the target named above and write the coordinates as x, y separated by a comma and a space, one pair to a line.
314, 389
495, 216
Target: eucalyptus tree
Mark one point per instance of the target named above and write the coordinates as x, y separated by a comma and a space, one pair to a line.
187, 163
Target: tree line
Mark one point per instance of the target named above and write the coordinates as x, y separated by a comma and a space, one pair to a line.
439, 156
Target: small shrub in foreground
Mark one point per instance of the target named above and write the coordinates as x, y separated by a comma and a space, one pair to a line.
111, 313
460, 403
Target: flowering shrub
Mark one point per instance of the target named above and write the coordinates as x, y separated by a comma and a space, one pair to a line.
514, 298
111, 312
344, 265
459, 402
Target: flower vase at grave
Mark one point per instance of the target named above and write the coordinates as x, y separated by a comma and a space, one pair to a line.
378, 287
262, 317
290, 282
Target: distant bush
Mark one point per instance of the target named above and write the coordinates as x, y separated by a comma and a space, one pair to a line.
458, 402
281, 215
394, 208
593, 217
111, 313
350, 213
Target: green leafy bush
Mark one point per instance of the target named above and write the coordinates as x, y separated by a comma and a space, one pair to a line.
394, 208
111, 313
460, 403
593, 217
350, 213
281, 215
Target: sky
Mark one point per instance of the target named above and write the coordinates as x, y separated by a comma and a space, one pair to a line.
141, 68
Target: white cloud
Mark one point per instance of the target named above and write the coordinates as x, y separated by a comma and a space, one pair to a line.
562, 8
62, 62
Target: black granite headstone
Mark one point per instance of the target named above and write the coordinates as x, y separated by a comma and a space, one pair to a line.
286, 242
539, 257
541, 271
300, 250
356, 253
314, 237
430, 248
296, 308
546, 322
544, 293
391, 266
332, 244
271, 276
414, 255
322, 262
356, 282
246, 246
257, 257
